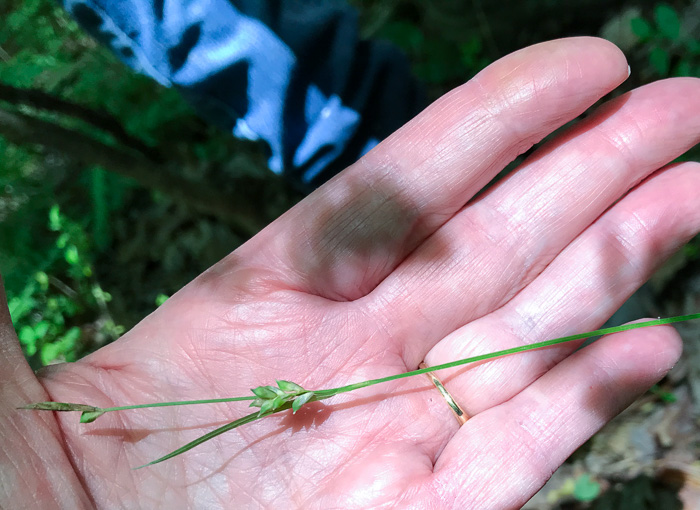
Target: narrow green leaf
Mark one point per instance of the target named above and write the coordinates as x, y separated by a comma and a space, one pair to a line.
90, 416
327, 393
264, 392
206, 437
298, 402
289, 387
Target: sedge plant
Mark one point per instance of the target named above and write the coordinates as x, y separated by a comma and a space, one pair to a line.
288, 395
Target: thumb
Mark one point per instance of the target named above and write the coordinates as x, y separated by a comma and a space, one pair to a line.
29, 439
19, 384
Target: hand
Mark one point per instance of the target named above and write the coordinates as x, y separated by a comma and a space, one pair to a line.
395, 261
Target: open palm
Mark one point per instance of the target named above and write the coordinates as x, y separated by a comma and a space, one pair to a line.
397, 260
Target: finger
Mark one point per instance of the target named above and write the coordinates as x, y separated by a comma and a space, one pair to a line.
519, 444
11, 357
494, 247
577, 292
346, 237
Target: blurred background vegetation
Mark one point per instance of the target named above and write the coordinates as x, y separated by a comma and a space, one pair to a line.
113, 194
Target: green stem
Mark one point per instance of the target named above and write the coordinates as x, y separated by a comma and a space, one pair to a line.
178, 403
323, 394
287, 397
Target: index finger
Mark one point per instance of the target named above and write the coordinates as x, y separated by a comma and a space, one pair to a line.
350, 234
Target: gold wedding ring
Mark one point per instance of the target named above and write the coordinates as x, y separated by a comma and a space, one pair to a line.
461, 416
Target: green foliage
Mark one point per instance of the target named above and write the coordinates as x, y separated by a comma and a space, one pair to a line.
641, 493
668, 51
49, 312
45, 49
437, 60
104, 231
34, 251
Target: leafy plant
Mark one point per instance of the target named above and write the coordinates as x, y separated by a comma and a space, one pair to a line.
50, 312
51, 70
669, 51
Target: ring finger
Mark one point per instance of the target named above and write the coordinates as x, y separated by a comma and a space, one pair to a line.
578, 291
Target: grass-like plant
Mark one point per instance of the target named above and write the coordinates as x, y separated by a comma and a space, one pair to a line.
288, 395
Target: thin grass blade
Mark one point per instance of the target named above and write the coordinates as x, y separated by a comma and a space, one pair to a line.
206, 437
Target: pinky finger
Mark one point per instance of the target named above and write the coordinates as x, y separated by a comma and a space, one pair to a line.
502, 456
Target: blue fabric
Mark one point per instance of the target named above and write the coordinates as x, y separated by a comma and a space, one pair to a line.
291, 73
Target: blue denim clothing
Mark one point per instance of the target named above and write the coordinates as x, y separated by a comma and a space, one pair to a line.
291, 73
